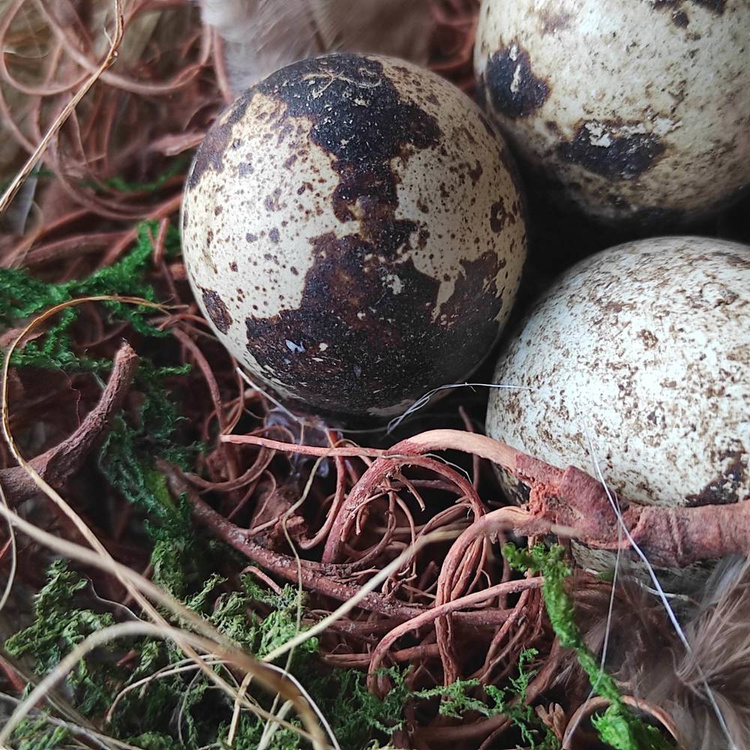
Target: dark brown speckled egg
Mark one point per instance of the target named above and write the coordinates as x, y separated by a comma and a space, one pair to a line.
353, 229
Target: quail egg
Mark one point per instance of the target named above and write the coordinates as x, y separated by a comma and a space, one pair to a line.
638, 357
635, 111
353, 228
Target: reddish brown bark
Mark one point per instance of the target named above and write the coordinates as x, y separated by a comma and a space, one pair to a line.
322, 578
571, 499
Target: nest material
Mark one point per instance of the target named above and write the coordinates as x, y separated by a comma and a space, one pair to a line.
296, 500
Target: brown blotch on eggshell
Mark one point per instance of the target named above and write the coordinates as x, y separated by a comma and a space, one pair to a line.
513, 88
216, 310
613, 149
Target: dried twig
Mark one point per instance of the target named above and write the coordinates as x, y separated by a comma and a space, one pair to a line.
63, 461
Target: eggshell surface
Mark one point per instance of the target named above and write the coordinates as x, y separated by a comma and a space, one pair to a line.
631, 110
639, 356
353, 229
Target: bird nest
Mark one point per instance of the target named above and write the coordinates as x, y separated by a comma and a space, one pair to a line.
189, 563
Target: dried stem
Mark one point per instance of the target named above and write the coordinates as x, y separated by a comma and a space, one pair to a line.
63, 461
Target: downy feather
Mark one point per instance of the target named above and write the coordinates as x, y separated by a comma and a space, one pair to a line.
264, 35
651, 663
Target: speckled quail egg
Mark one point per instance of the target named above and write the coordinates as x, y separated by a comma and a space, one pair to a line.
353, 229
635, 111
641, 355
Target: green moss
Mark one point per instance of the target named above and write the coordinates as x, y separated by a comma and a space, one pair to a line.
457, 699
22, 295
148, 717
58, 627
127, 456
38, 734
123, 186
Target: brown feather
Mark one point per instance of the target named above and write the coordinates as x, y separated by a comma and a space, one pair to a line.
719, 638
651, 663
264, 35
